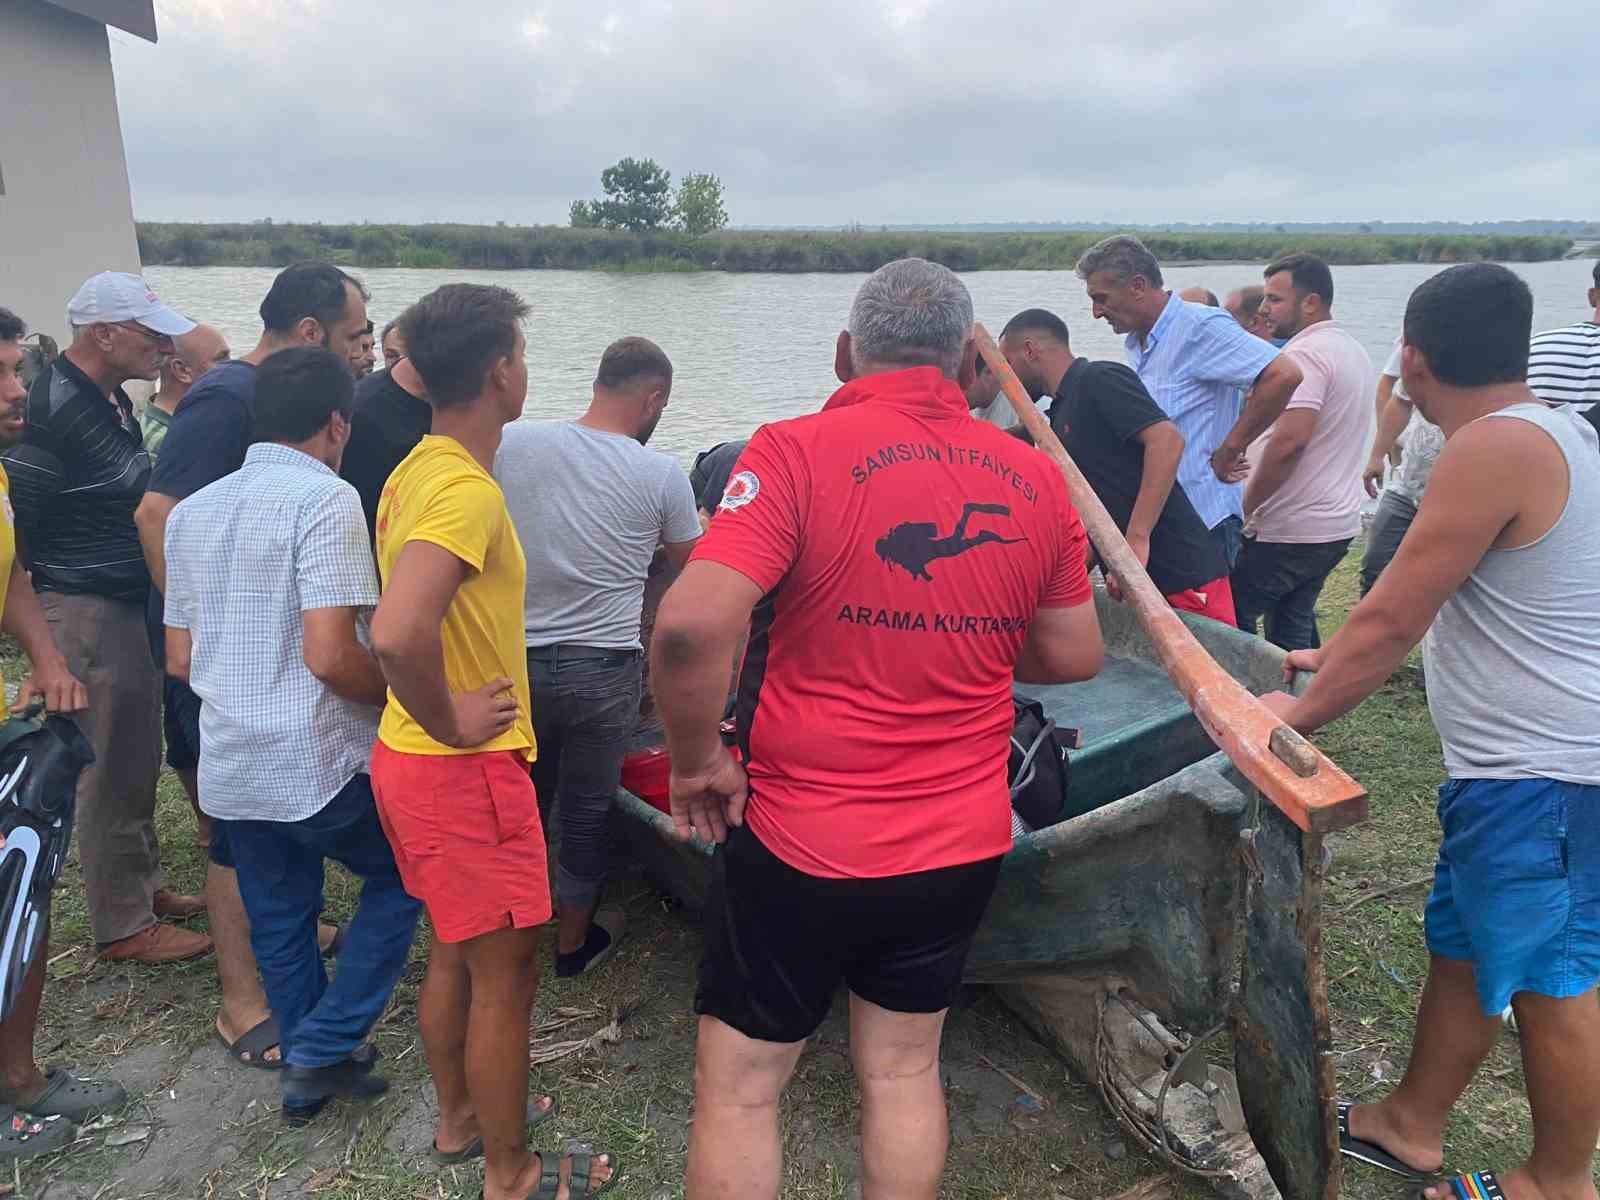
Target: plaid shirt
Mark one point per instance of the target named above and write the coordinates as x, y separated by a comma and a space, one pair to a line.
246, 557
1197, 364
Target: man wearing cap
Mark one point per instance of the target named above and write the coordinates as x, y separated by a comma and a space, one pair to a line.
77, 477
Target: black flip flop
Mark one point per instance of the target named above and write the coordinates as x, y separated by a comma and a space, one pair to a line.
255, 1042
1375, 1155
474, 1149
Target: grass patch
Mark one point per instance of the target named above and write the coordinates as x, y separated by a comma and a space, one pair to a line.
152, 1028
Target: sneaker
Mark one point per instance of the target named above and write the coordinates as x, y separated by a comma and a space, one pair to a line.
157, 944
307, 1089
169, 903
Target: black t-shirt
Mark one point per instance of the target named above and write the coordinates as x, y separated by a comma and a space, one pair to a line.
76, 478
211, 430
387, 424
1100, 409
711, 470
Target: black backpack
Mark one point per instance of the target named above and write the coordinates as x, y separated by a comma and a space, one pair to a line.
1038, 771
40, 760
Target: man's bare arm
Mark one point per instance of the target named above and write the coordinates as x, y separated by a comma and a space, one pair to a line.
1284, 447
1392, 421
1263, 404
678, 552
407, 640
701, 622
334, 654
699, 630
180, 653
1063, 646
1163, 448
1477, 488
49, 677
151, 519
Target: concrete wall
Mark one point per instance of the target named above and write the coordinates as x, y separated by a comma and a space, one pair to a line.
65, 212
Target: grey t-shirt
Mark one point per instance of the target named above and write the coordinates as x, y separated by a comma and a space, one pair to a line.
590, 509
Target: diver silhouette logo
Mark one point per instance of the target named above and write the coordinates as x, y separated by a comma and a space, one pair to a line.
915, 544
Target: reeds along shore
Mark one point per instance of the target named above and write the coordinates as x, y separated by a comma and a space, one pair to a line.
551, 247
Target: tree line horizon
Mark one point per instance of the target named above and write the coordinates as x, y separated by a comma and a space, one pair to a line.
639, 224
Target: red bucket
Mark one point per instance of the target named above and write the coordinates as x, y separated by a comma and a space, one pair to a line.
648, 774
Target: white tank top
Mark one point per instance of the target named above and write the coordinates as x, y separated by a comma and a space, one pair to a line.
1513, 658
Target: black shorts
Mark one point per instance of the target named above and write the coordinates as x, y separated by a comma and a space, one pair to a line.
778, 941
180, 718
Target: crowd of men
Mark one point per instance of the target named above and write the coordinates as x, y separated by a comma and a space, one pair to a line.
435, 642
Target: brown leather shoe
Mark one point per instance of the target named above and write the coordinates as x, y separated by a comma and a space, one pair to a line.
158, 944
169, 903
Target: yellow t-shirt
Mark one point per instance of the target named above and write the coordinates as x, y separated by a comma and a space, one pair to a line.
8, 538
440, 494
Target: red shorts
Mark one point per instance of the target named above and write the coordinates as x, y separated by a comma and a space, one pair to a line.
1214, 600
467, 838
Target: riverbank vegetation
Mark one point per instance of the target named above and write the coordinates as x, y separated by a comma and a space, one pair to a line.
535, 247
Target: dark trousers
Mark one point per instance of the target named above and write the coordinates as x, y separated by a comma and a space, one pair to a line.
1280, 581
585, 709
1394, 516
1229, 534
280, 878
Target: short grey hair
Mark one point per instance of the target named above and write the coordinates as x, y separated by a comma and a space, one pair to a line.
911, 313
1122, 257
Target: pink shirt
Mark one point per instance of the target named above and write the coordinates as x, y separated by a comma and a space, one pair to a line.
1321, 501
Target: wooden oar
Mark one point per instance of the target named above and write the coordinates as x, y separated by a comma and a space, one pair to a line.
1297, 777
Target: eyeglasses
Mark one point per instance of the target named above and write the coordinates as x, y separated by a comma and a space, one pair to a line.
149, 335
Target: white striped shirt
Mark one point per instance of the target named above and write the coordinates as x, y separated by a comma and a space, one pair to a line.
1197, 363
1564, 364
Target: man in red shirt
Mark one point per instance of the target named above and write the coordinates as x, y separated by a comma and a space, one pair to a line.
897, 564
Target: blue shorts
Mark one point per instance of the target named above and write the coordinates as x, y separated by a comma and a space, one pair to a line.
1517, 889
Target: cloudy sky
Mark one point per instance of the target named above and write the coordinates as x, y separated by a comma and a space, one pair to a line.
879, 111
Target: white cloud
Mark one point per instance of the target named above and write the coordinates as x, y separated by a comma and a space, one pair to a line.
828, 111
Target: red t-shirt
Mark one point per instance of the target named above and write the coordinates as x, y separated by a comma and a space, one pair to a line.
902, 547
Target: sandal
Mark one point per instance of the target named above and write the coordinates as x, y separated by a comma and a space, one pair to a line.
474, 1149
1479, 1185
1375, 1155
24, 1135
255, 1043
578, 1182
78, 1100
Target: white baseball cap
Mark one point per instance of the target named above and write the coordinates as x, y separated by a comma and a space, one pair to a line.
112, 297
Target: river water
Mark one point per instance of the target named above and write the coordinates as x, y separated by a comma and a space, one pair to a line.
754, 348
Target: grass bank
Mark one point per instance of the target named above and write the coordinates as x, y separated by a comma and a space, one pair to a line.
265, 244
210, 1129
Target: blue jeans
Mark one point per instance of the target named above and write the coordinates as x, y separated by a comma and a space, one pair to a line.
1280, 582
585, 709
280, 879
1388, 530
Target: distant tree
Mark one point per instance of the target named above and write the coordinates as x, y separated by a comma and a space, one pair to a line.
638, 198
699, 205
